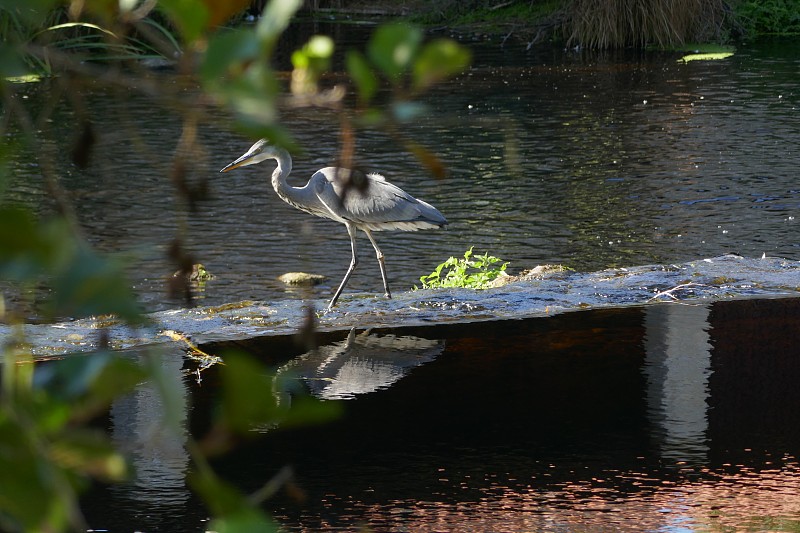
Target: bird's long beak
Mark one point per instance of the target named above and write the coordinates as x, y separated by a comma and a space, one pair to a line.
254, 155
236, 164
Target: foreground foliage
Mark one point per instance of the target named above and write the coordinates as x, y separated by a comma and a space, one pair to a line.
48, 452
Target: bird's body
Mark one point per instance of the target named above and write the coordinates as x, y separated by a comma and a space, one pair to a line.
364, 202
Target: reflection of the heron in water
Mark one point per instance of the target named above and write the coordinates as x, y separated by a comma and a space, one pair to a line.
360, 364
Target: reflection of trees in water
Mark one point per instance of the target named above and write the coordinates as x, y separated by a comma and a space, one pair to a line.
677, 367
156, 448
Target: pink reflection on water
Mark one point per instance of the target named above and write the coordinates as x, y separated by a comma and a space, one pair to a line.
734, 498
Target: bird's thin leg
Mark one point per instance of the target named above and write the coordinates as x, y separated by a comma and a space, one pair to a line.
380, 263
351, 230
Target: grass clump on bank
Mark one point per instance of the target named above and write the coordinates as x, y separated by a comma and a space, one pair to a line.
670, 23
641, 23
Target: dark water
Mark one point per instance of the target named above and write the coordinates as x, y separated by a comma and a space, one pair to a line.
589, 160
666, 417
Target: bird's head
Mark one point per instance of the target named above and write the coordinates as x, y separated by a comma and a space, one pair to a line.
260, 151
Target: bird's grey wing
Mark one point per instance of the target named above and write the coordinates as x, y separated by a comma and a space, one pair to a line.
377, 205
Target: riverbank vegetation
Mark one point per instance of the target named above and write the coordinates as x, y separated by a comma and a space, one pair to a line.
605, 23
659, 23
148, 31
768, 17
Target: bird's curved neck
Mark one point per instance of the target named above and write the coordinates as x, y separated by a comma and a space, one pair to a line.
300, 197
280, 174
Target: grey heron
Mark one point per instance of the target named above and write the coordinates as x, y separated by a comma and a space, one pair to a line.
335, 193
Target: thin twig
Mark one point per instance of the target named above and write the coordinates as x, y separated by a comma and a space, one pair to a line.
283, 476
193, 352
682, 286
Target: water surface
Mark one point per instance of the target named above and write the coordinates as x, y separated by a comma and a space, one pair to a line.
590, 160
656, 418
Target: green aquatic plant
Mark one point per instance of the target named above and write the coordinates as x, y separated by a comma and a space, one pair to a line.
704, 51
469, 272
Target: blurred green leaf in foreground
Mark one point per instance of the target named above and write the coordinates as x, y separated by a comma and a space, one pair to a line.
49, 453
